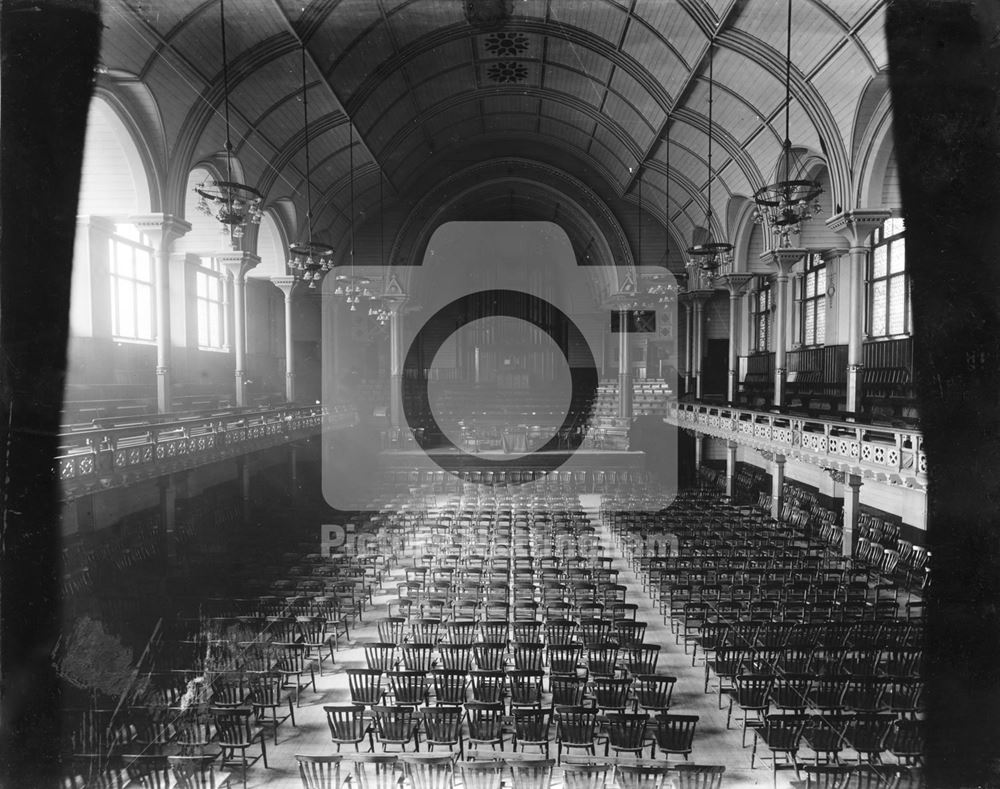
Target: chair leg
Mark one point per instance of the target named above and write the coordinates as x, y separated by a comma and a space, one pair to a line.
263, 747
729, 715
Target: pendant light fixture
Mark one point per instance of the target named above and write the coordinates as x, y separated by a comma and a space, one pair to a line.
233, 204
309, 260
786, 204
710, 255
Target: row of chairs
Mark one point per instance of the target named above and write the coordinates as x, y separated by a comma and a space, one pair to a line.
420, 771
477, 724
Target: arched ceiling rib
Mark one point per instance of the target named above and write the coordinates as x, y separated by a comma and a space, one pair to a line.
605, 80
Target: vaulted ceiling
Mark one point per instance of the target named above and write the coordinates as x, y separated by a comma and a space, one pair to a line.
425, 87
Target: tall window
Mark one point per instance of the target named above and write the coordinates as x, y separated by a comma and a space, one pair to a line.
210, 286
814, 301
888, 285
762, 319
132, 300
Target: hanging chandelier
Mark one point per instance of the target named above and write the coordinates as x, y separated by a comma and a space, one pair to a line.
786, 204
309, 260
353, 288
709, 256
233, 204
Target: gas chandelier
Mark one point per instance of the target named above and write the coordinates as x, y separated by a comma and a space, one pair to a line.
710, 255
310, 260
785, 204
233, 204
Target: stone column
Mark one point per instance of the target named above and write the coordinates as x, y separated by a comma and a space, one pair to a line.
736, 284
624, 367
731, 468
699, 297
238, 264
685, 300
777, 485
396, 362
856, 226
783, 260
243, 474
162, 230
287, 286
699, 449
852, 508
293, 469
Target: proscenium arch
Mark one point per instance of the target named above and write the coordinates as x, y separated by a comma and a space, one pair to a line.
588, 222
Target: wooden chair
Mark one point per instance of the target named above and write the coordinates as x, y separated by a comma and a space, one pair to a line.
443, 726
396, 725
372, 770
365, 686
236, 732
653, 692
197, 772
408, 687
586, 776
531, 727
425, 771
348, 725
266, 692
674, 735
782, 735
625, 733
698, 776
319, 772
381, 656
481, 774
485, 722
634, 776
535, 774
291, 662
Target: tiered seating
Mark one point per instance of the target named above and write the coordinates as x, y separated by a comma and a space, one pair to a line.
813, 649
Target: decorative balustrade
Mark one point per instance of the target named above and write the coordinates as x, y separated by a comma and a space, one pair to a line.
103, 457
892, 455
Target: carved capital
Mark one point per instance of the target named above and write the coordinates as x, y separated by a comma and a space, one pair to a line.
238, 263
783, 259
163, 229
285, 284
736, 283
857, 225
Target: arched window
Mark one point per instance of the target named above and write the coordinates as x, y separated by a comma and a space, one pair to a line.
114, 186
888, 313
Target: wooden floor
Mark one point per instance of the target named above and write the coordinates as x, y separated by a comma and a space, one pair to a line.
714, 744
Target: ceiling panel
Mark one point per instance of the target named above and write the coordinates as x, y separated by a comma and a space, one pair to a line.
600, 17
872, 35
578, 57
574, 84
839, 84
656, 57
573, 135
417, 19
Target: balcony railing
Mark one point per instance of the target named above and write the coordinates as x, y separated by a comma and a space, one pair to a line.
103, 457
891, 455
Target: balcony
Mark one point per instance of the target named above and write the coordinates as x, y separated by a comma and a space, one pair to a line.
99, 458
894, 456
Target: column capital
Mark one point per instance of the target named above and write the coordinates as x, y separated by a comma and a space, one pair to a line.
783, 258
99, 223
238, 263
779, 459
736, 283
700, 296
731, 445
833, 254
163, 228
285, 284
854, 481
857, 225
